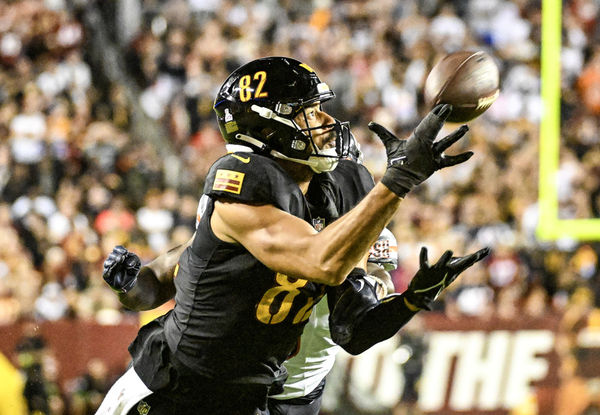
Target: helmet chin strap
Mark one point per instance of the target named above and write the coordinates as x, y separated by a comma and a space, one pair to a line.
319, 163
325, 160
271, 115
251, 140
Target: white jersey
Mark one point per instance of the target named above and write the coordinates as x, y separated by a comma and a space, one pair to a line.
124, 395
316, 356
317, 351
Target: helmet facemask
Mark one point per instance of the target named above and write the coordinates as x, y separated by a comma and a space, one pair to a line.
326, 159
302, 141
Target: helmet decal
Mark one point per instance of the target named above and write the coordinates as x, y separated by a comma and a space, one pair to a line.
230, 124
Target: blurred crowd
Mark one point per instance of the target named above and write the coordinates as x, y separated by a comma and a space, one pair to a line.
75, 181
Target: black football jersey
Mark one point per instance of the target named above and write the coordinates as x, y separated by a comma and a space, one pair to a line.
235, 319
332, 194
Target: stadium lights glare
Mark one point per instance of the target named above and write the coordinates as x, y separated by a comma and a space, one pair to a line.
550, 227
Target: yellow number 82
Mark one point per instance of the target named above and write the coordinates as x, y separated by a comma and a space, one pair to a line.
264, 314
245, 86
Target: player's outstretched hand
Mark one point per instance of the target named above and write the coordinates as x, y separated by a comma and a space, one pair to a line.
429, 281
121, 269
413, 160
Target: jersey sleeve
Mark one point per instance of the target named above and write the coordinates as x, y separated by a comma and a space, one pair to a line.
253, 179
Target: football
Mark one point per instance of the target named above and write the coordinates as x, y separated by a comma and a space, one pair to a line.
468, 80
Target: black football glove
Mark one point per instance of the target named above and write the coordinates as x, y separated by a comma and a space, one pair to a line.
413, 160
429, 281
121, 269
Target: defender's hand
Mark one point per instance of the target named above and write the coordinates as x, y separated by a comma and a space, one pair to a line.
413, 160
429, 281
121, 269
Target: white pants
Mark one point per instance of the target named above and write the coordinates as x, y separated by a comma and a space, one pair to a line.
124, 394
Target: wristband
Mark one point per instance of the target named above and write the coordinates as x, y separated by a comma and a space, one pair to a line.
395, 186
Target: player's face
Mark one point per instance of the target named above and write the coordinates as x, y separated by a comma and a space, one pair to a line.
313, 117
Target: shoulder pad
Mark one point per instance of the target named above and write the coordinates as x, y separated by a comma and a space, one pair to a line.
252, 178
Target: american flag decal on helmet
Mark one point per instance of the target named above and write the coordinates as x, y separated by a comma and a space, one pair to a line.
228, 181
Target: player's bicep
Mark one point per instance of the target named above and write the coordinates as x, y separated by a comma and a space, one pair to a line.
279, 240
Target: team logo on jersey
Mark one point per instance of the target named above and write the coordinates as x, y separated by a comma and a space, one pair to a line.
228, 181
143, 408
318, 224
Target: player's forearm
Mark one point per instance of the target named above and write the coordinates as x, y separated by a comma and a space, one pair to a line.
343, 243
378, 324
154, 284
150, 290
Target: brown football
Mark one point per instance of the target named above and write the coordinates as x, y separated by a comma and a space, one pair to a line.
469, 80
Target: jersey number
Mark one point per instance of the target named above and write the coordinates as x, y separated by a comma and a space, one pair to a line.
246, 91
266, 311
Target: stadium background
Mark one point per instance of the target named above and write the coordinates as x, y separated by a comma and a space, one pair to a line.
106, 134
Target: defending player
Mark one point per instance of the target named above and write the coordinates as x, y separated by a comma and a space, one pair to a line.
246, 285
307, 370
358, 306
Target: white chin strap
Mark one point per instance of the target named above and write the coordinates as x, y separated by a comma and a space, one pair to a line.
318, 164
323, 164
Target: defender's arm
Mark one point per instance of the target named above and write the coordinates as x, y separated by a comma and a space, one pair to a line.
358, 319
149, 288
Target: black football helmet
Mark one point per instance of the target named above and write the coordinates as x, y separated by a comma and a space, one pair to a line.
258, 102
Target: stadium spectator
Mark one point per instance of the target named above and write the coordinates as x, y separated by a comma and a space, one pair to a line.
88, 390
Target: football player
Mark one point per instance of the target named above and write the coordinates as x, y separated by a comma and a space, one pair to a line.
246, 285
